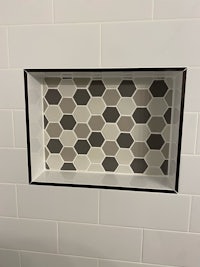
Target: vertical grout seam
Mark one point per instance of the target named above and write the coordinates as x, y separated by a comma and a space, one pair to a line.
20, 258
142, 239
13, 128
52, 12
98, 207
100, 44
16, 199
152, 11
189, 214
57, 244
196, 135
8, 51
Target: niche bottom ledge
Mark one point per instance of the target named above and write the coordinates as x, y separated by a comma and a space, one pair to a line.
110, 181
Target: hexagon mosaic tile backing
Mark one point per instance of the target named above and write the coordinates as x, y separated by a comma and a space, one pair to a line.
107, 125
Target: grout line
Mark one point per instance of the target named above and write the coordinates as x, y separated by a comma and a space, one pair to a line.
98, 218
57, 243
52, 12
16, 198
100, 46
142, 241
196, 135
13, 129
8, 51
189, 214
20, 258
152, 11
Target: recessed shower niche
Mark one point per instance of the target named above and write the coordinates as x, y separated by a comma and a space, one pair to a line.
105, 128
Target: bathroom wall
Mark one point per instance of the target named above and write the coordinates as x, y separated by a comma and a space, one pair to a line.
56, 226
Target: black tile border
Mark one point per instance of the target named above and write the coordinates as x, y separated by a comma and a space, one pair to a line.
184, 69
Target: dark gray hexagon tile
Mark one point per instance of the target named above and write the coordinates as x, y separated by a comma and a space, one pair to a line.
141, 115
111, 97
127, 88
68, 122
97, 88
111, 114
53, 96
96, 139
155, 141
68, 154
45, 122
125, 140
96, 123
67, 105
52, 81
54, 130
156, 124
82, 130
110, 164
164, 167
139, 165
139, 149
81, 82
167, 115
68, 167
82, 147
110, 148
142, 97
81, 97
158, 88
125, 123
54, 146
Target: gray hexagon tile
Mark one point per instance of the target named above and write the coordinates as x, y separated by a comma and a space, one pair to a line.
108, 124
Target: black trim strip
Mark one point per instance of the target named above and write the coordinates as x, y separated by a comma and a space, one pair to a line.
26, 71
27, 126
180, 130
107, 187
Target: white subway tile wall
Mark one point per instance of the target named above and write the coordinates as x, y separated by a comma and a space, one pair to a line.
97, 228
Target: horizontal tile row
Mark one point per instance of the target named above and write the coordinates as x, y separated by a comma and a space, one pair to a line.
87, 11
79, 11
165, 44
71, 45
143, 210
96, 241
34, 259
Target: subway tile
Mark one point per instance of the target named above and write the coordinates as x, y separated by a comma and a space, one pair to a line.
3, 48
6, 132
32, 259
8, 205
176, 9
19, 128
13, 166
160, 44
12, 89
9, 258
61, 46
107, 263
100, 241
22, 12
171, 248
195, 215
189, 133
189, 181
148, 210
198, 136
58, 203
33, 235
192, 93
87, 11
